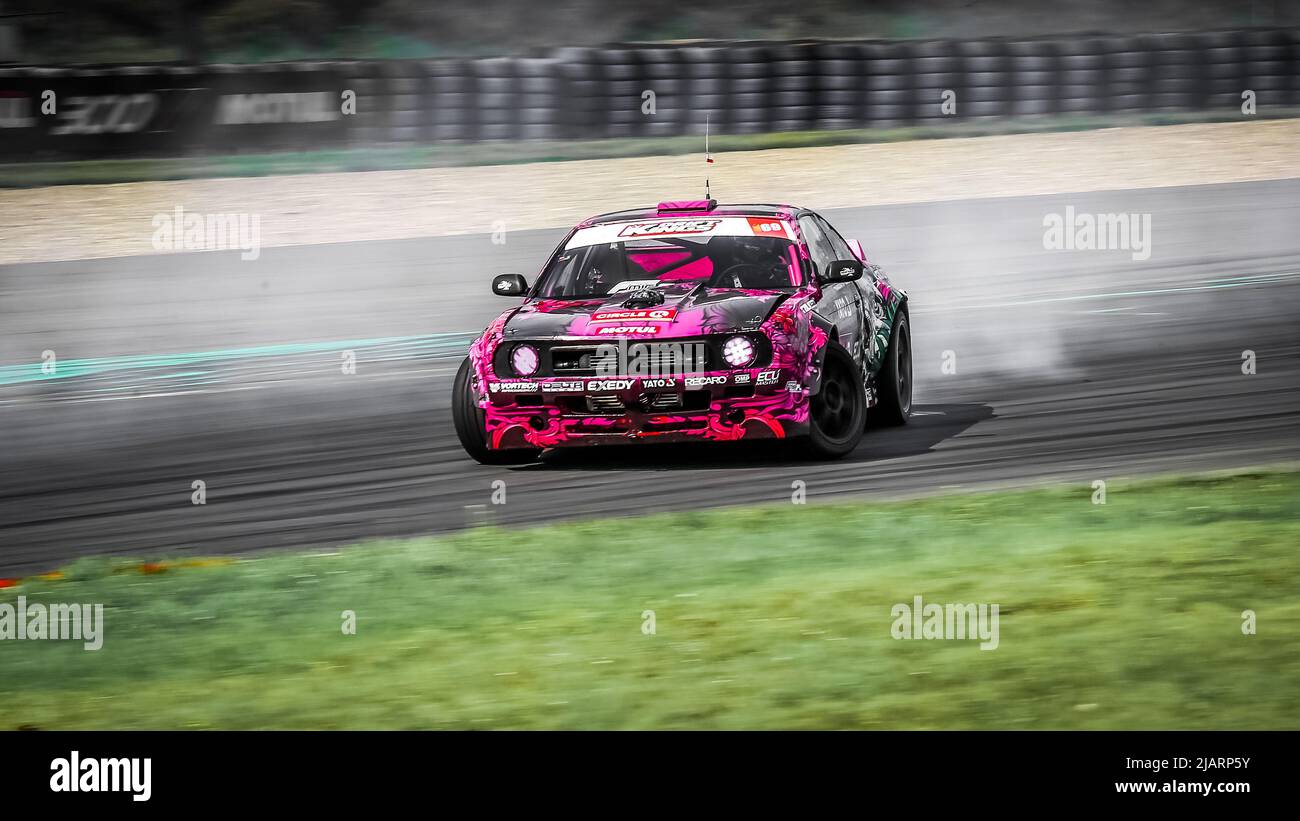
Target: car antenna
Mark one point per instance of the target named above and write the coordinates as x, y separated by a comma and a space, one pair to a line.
708, 158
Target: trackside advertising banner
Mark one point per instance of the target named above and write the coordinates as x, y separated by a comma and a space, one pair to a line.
167, 111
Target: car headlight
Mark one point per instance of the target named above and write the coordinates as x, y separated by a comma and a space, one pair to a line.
738, 351
524, 359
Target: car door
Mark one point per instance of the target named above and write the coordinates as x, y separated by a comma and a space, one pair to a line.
841, 302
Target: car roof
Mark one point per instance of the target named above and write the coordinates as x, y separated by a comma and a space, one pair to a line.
664, 209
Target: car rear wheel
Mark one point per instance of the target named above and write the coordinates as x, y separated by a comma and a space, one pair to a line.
839, 408
895, 405
467, 417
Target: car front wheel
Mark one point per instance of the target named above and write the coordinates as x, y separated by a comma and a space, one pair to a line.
895, 406
839, 408
467, 417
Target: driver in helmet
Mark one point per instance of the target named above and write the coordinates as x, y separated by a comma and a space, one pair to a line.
756, 262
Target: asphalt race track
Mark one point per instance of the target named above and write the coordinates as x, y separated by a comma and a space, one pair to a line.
1069, 366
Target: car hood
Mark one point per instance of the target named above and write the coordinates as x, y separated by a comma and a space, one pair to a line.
687, 310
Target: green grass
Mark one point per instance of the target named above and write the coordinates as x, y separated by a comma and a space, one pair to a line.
90, 172
1123, 615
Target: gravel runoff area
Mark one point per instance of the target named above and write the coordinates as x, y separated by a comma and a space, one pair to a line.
92, 221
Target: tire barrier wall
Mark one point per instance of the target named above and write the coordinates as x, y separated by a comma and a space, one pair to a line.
634, 90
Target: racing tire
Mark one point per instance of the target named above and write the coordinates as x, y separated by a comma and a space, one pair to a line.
838, 411
467, 418
895, 406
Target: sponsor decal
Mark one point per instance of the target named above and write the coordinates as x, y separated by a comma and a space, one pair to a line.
768, 377
740, 379
628, 330
553, 387
806, 306
661, 227
634, 285
793, 387
843, 307
635, 315
701, 381
609, 384
766, 227
511, 387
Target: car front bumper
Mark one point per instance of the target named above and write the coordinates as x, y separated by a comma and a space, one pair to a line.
566, 412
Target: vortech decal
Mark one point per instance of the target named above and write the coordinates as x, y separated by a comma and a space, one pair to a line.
679, 226
511, 387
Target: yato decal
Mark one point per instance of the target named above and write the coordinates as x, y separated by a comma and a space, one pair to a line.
768, 377
766, 227
609, 385
628, 330
636, 315
651, 229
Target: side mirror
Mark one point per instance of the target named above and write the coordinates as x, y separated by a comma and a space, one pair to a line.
842, 270
509, 285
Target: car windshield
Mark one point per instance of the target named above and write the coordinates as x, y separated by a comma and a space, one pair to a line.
759, 263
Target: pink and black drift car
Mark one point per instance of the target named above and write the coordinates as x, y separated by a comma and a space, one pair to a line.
689, 321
